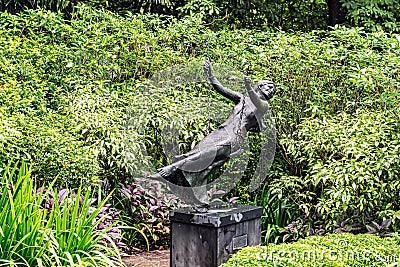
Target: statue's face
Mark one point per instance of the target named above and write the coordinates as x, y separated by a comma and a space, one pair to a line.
266, 88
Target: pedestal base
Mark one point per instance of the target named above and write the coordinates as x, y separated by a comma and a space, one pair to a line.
208, 239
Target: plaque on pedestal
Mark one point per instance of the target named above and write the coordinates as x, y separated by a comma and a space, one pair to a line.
208, 239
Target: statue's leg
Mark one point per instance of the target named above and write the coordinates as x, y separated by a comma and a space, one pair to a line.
199, 178
180, 172
196, 164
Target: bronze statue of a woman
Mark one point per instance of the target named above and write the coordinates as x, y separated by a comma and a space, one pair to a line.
219, 146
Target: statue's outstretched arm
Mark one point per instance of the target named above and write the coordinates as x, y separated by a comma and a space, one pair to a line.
257, 101
228, 93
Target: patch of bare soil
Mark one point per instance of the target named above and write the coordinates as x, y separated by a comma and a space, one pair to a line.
156, 258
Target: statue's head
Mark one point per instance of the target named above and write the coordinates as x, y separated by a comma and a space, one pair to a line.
266, 89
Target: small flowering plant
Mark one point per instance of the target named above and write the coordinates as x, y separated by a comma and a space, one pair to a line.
147, 204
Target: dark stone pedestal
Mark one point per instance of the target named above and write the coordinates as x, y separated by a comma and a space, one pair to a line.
208, 239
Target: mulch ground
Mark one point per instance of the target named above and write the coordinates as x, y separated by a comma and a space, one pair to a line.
156, 258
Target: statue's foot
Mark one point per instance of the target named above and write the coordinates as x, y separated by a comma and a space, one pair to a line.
164, 174
236, 153
218, 203
179, 157
167, 171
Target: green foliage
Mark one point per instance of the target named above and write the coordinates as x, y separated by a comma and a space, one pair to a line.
288, 15
351, 165
278, 213
19, 5
62, 96
330, 250
21, 239
66, 88
166, 7
374, 14
199, 8
32, 235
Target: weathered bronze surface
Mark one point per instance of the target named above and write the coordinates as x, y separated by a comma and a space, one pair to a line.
193, 168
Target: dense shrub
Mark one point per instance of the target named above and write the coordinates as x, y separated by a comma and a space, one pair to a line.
66, 87
330, 250
374, 14
250, 13
289, 15
351, 168
62, 97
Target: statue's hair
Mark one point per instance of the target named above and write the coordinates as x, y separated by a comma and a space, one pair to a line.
262, 82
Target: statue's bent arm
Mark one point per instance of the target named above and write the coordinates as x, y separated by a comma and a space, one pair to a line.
257, 101
228, 93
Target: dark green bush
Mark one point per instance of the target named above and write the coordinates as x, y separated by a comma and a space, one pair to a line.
63, 93
374, 14
330, 250
351, 166
294, 15
66, 87
75, 80
291, 15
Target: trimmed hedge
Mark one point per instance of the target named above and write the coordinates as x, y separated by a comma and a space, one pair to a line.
331, 250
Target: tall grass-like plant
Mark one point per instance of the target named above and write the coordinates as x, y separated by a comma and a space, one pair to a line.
278, 213
75, 239
23, 239
31, 234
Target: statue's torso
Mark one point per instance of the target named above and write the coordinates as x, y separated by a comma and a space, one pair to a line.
243, 116
242, 119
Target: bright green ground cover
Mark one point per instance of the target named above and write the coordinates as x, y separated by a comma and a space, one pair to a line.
331, 250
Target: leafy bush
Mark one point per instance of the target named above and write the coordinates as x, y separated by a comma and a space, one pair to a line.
250, 13
64, 116
351, 165
67, 87
37, 232
330, 250
288, 15
292, 15
69, 120
374, 14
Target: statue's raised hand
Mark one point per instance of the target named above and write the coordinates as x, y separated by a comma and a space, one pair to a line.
208, 69
247, 81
